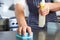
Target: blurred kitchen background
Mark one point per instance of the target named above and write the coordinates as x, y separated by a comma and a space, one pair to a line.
7, 15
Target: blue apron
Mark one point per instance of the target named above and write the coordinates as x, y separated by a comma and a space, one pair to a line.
34, 15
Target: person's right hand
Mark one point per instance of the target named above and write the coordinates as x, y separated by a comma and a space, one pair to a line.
23, 29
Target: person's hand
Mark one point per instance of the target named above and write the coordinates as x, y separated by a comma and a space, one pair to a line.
44, 11
23, 29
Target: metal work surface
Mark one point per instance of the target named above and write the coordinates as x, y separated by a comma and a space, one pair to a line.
52, 33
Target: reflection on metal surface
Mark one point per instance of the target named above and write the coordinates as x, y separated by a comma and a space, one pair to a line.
52, 28
39, 34
57, 36
42, 35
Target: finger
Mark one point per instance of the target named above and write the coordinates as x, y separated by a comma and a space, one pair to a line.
20, 30
38, 5
45, 12
24, 31
29, 30
17, 30
39, 11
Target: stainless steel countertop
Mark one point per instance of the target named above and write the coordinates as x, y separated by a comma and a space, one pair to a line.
52, 33
42, 35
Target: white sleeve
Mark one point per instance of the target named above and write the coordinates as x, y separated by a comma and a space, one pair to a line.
20, 2
57, 12
56, 0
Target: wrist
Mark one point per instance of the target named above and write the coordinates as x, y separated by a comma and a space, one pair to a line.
50, 6
54, 6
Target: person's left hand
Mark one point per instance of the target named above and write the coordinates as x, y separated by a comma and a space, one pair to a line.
44, 11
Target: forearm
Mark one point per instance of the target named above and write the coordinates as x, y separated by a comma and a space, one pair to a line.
54, 6
19, 12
